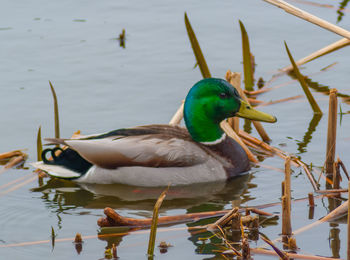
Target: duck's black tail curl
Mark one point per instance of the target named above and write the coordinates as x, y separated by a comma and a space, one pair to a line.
67, 158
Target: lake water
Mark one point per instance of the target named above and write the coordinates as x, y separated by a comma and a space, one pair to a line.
102, 86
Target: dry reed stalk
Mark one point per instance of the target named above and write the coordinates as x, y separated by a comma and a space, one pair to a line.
308, 174
291, 255
332, 131
286, 201
309, 17
259, 212
258, 126
114, 219
228, 244
266, 89
177, 117
280, 101
7, 155
255, 141
229, 131
332, 191
286, 221
348, 246
266, 147
234, 78
250, 144
287, 180
330, 48
282, 154
337, 212
269, 167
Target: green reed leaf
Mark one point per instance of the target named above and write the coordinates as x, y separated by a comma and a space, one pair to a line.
247, 61
39, 145
57, 124
197, 50
303, 84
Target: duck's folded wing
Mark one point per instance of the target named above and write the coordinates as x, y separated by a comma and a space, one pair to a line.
141, 150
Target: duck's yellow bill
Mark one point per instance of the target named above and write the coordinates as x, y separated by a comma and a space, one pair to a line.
247, 111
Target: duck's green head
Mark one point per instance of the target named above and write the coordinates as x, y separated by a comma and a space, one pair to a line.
209, 102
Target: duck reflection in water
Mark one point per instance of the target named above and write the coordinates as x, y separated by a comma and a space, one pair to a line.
66, 196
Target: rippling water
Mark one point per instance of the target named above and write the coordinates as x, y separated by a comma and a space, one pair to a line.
102, 86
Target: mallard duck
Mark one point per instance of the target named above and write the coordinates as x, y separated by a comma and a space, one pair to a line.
158, 155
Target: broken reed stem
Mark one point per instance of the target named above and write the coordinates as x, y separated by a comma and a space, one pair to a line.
336, 175
311, 200
57, 123
177, 117
332, 132
348, 222
266, 146
286, 202
328, 49
223, 220
234, 78
153, 232
229, 131
309, 17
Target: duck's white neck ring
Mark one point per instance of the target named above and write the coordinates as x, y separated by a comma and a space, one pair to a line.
217, 141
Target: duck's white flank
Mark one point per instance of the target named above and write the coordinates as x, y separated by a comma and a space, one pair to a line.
217, 141
154, 177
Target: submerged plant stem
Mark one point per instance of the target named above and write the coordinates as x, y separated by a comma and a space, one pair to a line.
152, 235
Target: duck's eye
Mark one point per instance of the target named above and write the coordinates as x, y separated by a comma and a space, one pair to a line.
223, 95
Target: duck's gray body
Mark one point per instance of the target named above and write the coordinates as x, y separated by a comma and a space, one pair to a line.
154, 155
